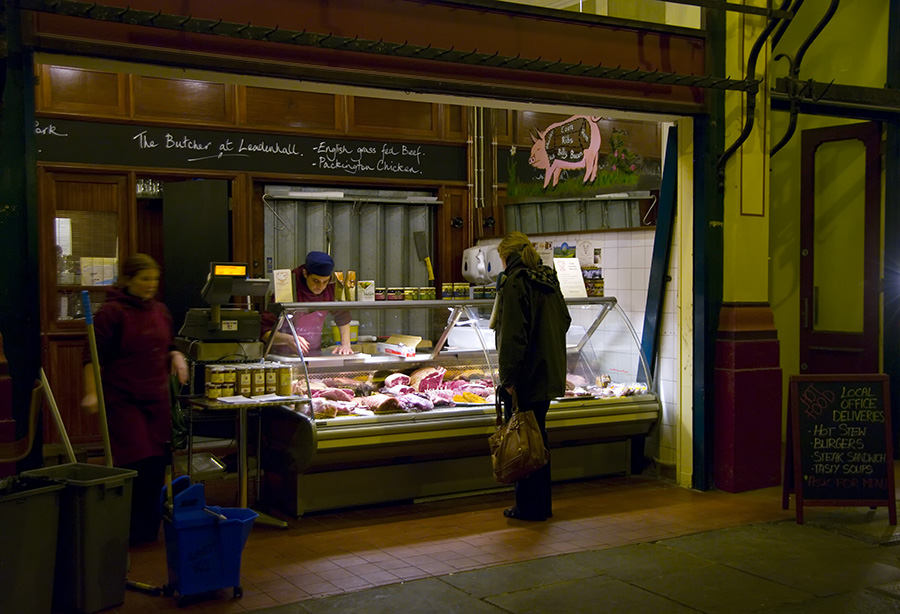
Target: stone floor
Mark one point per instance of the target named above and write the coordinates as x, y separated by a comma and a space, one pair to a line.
776, 567
619, 544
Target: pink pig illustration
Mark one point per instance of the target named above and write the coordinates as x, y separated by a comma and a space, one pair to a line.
570, 144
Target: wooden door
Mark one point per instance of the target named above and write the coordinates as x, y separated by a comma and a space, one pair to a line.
83, 216
840, 234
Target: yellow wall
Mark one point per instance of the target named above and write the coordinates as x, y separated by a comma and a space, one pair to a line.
852, 50
746, 178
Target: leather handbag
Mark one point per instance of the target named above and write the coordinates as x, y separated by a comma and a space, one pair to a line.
517, 448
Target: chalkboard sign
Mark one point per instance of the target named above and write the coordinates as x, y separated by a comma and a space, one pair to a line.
839, 442
60, 140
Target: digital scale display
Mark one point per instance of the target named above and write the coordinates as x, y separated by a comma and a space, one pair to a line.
230, 269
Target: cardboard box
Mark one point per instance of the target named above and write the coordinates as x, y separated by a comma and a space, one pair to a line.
400, 345
365, 290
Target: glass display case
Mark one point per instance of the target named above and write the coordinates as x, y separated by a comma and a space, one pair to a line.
408, 414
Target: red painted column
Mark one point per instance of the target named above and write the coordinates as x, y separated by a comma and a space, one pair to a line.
748, 412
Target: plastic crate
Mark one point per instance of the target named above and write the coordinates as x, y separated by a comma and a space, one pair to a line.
29, 515
203, 543
92, 543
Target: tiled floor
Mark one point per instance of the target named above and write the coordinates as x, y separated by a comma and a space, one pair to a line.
345, 551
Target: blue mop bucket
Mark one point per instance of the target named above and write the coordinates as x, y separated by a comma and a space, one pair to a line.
203, 543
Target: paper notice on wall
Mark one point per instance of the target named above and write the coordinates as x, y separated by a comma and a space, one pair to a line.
568, 270
284, 286
585, 253
545, 251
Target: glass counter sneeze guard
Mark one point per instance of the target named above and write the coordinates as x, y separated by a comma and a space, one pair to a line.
372, 454
601, 350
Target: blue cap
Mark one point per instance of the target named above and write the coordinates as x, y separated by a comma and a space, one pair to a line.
319, 263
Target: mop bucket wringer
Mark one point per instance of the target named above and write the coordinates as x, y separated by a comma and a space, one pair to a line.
203, 543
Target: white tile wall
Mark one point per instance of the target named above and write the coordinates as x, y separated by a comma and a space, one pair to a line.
626, 259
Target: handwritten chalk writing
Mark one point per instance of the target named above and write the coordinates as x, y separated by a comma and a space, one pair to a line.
144, 141
839, 443
826, 468
49, 130
828, 457
815, 401
852, 431
857, 403
853, 469
863, 415
397, 167
842, 443
332, 150
408, 151
863, 391
272, 148
866, 457
185, 143
388, 157
815, 481
351, 167
61, 140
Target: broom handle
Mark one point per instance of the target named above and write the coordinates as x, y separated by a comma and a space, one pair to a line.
54, 409
95, 361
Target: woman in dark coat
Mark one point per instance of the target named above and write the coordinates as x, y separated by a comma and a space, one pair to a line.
531, 320
134, 345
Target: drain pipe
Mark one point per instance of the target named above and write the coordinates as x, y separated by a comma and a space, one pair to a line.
751, 97
794, 68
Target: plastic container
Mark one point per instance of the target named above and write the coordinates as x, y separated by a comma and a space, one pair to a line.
92, 542
203, 543
29, 516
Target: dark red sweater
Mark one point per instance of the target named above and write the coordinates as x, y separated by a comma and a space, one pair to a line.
134, 338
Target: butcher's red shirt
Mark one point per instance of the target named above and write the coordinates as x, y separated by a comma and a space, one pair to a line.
308, 325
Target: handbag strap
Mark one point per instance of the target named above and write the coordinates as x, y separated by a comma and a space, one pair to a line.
499, 395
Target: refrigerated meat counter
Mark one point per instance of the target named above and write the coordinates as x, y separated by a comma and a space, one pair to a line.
413, 424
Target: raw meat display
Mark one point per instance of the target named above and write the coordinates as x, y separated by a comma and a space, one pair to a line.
335, 394
440, 396
425, 388
327, 408
398, 390
413, 403
427, 378
344, 382
380, 403
477, 389
396, 379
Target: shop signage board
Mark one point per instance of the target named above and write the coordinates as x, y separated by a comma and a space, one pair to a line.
839, 450
61, 140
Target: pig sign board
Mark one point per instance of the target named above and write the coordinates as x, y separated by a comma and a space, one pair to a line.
839, 450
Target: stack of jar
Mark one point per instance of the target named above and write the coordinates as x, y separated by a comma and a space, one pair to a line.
451, 291
409, 293
248, 379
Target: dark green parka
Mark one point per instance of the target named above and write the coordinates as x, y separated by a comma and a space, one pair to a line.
531, 320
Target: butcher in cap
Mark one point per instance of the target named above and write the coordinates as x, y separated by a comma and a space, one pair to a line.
314, 283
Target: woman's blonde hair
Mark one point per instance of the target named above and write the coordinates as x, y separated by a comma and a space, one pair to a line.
134, 265
518, 243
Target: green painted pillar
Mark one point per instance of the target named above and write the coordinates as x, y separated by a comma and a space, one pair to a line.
19, 298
